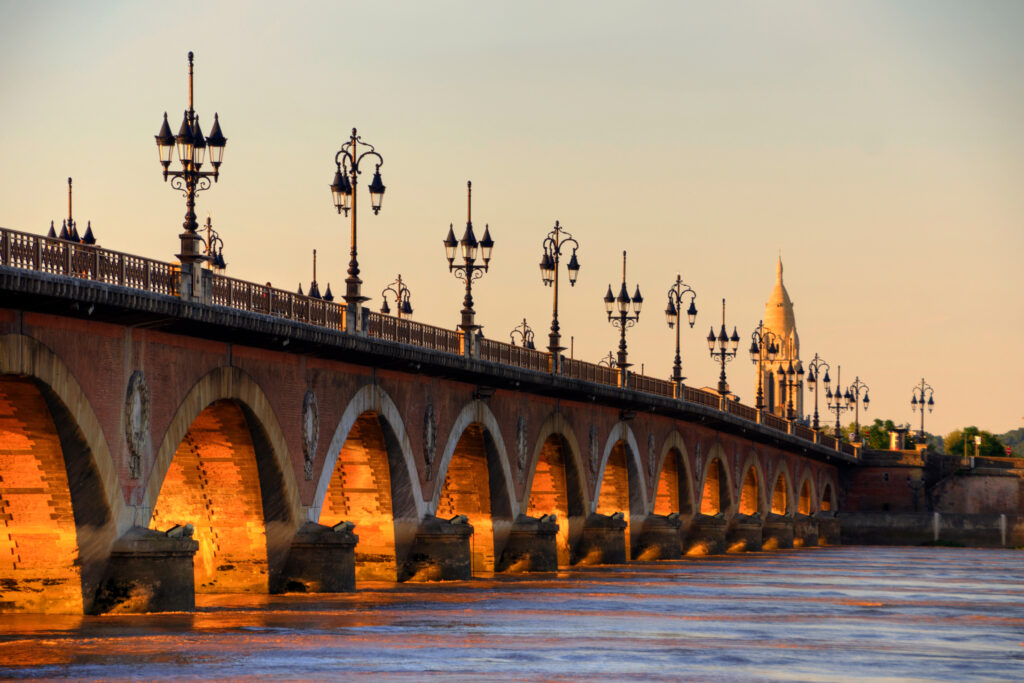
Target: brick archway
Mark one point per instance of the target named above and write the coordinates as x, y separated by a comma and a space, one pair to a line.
811, 498
783, 476
717, 455
682, 487
83, 473
752, 463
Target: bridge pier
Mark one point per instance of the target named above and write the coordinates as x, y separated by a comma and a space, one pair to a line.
805, 531
150, 571
321, 560
604, 539
777, 532
660, 538
828, 528
707, 535
440, 551
532, 546
745, 533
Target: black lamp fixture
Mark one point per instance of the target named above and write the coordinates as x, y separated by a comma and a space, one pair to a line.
192, 147
723, 348
814, 370
402, 296
917, 400
619, 315
471, 268
673, 310
525, 334
551, 255
764, 348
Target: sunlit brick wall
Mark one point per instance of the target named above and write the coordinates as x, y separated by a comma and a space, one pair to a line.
467, 492
614, 495
548, 494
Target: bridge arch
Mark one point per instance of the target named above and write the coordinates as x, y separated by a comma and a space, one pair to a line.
782, 491
716, 484
620, 484
806, 503
474, 478
751, 494
828, 501
673, 490
223, 466
556, 483
376, 484
67, 507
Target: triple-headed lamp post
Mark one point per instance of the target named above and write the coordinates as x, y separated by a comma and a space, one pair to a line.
525, 334
469, 270
814, 369
618, 308
552, 247
190, 179
917, 400
677, 293
856, 389
403, 298
839, 401
343, 190
794, 378
724, 351
763, 349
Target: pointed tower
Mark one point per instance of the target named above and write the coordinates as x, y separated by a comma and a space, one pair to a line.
779, 318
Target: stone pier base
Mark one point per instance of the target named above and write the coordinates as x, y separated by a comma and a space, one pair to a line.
777, 532
604, 540
321, 560
150, 571
805, 531
707, 535
744, 533
659, 538
441, 551
532, 546
828, 528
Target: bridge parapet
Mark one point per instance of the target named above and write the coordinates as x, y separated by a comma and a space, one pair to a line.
64, 259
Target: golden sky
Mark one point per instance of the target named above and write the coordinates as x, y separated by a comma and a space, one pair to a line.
878, 145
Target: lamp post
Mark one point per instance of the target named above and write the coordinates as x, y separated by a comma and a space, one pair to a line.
673, 311
469, 270
549, 260
343, 190
403, 302
725, 351
917, 399
763, 347
839, 401
525, 335
608, 361
857, 387
814, 369
794, 380
622, 319
191, 146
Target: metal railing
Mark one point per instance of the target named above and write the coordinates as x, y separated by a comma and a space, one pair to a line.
60, 257
65, 258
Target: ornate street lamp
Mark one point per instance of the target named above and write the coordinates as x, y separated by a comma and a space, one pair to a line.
214, 248
618, 309
343, 191
192, 148
723, 349
525, 335
917, 400
673, 311
856, 389
402, 295
69, 227
814, 369
469, 270
839, 401
794, 378
764, 348
549, 260
608, 361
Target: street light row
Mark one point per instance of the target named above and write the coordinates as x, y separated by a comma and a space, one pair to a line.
623, 310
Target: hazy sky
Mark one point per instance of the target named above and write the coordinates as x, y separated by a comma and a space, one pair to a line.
878, 145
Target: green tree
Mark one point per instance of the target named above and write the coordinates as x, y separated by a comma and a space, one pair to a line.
990, 447
1015, 440
875, 435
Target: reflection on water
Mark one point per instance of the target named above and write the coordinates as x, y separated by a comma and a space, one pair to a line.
811, 615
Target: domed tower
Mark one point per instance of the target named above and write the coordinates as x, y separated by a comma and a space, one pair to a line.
779, 318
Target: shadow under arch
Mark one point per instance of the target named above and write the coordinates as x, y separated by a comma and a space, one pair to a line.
223, 427
475, 479
67, 465
782, 491
620, 482
716, 484
556, 484
376, 485
752, 496
674, 488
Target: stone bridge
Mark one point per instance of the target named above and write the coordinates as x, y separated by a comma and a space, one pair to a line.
155, 444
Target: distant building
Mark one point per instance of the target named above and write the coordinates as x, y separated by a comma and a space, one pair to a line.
779, 318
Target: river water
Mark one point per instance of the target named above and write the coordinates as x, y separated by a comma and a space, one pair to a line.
825, 614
